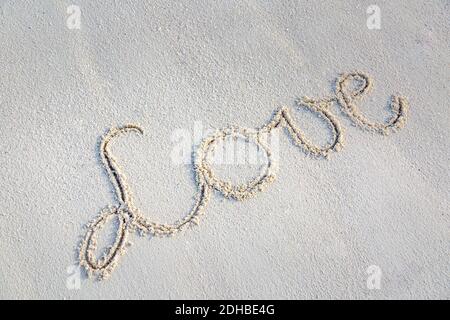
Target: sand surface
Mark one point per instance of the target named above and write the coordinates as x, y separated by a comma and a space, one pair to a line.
382, 201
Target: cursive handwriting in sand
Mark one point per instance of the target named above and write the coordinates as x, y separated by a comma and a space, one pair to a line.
350, 89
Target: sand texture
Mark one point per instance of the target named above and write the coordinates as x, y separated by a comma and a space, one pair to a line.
91, 120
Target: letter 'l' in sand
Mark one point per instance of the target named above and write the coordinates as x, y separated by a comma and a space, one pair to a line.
130, 219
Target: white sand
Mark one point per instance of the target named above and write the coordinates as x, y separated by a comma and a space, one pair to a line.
313, 233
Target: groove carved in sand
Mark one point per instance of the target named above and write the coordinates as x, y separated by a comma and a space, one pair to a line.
130, 219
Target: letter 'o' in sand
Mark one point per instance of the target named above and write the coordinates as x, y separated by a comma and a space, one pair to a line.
129, 217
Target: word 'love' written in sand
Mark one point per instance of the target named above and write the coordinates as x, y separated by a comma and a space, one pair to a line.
350, 89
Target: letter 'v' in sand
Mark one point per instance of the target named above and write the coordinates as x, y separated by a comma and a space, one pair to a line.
130, 219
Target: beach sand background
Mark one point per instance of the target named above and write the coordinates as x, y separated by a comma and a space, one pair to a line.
381, 201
